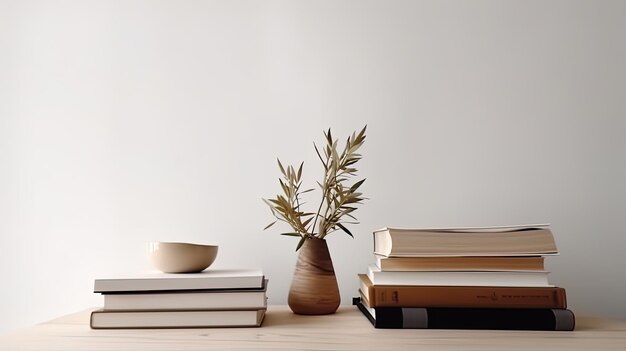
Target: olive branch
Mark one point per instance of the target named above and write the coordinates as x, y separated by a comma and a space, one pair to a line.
339, 200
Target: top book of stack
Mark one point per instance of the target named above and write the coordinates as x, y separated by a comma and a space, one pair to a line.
526, 240
214, 279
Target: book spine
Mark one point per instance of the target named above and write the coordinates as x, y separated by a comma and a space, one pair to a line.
476, 297
470, 318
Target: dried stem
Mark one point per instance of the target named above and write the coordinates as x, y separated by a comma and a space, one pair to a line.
340, 200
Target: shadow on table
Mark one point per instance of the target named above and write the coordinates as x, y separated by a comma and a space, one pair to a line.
286, 317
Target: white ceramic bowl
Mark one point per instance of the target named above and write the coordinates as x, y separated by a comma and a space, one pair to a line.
182, 257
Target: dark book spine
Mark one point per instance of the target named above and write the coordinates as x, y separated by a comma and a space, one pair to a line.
470, 318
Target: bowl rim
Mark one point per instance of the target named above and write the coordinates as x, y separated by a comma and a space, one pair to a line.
178, 243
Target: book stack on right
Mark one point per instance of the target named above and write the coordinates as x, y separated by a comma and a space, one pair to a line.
463, 278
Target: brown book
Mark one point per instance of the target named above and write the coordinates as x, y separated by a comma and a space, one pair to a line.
490, 263
528, 240
461, 296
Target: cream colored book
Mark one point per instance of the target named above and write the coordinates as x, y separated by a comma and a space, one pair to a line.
472, 263
102, 319
524, 240
456, 278
207, 280
188, 300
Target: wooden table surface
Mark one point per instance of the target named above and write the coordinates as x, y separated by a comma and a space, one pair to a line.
282, 330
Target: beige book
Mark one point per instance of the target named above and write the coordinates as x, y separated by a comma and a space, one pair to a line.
526, 240
459, 278
474, 263
102, 319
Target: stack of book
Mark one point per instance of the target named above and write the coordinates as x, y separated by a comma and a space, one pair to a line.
463, 278
213, 298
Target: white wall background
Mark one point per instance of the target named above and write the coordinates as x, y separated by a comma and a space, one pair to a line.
124, 122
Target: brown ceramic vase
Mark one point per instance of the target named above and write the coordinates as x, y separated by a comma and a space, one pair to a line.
314, 287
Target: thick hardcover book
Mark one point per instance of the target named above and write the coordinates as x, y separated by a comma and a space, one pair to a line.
474, 263
188, 300
175, 319
455, 278
527, 240
467, 318
461, 296
207, 280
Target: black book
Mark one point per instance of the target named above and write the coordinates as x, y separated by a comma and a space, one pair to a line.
467, 318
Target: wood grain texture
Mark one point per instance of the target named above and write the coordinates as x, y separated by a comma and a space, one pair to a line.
282, 330
314, 288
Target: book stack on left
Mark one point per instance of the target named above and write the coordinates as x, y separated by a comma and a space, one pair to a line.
213, 298
463, 278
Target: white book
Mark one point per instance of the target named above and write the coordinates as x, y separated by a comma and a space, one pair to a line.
459, 278
175, 319
188, 300
207, 280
